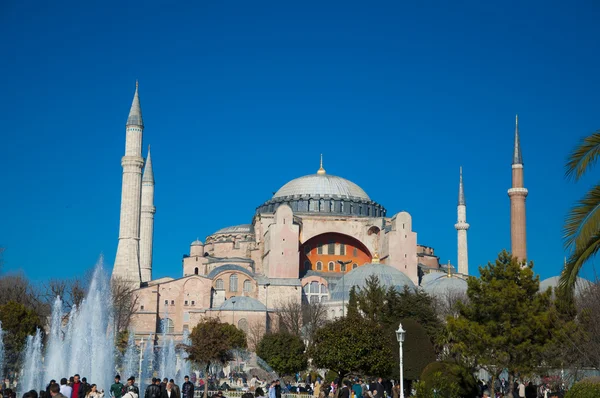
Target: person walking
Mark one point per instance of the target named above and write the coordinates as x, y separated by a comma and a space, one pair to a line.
187, 388
116, 390
65, 389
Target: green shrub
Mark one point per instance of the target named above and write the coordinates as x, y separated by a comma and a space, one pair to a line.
440, 387
451, 374
330, 376
587, 388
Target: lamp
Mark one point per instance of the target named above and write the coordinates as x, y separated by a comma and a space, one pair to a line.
400, 335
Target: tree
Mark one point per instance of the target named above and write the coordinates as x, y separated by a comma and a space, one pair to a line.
417, 349
18, 322
507, 322
582, 225
17, 288
352, 309
302, 318
256, 331
125, 300
213, 342
352, 345
284, 352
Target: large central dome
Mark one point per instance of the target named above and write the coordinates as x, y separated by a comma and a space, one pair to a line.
324, 194
316, 185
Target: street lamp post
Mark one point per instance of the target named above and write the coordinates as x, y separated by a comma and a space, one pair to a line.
342, 264
400, 334
267, 307
233, 304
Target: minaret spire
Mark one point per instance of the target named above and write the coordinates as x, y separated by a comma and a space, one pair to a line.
135, 113
517, 158
461, 190
321, 170
147, 221
518, 194
462, 227
127, 260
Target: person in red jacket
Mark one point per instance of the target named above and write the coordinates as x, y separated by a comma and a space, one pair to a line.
75, 386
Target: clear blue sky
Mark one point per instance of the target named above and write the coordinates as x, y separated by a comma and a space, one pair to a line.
240, 97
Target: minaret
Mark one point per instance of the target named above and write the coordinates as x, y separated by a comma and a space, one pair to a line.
517, 194
147, 221
127, 261
461, 229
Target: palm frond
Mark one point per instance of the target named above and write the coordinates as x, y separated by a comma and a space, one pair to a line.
584, 156
578, 258
583, 220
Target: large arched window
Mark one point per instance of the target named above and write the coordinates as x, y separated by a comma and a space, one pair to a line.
247, 286
331, 266
233, 283
167, 325
314, 292
219, 285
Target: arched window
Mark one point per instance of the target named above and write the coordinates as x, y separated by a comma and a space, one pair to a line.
167, 325
354, 266
342, 249
331, 206
331, 266
314, 287
233, 283
343, 267
219, 285
319, 266
331, 248
247, 286
323, 289
243, 325
307, 264
342, 206
196, 271
321, 205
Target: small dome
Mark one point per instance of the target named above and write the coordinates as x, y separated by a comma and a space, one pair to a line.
443, 284
197, 242
388, 277
553, 282
242, 303
236, 229
322, 185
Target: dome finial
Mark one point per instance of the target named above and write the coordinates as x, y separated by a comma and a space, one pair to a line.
375, 258
321, 170
449, 270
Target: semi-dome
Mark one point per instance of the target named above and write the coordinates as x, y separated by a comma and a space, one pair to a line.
236, 229
444, 284
388, 277
580, 285
242, 303
321, 185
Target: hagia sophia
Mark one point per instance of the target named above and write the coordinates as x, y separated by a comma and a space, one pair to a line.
314, 239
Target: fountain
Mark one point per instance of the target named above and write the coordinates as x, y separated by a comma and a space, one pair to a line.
32, 360
147, 363
54, 350
185, 367
85, 347
131, 359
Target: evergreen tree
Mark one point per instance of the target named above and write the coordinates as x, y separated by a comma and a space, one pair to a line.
213, 342
18, 322
507, 323
283, 351
353, 304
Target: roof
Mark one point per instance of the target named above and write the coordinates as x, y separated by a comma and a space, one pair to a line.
440, 284
197, 242
242, 303
321, 185
580, 286
228, 267
236, 229
388, 277
135, 113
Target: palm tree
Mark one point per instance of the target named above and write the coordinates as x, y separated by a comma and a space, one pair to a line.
582, 225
